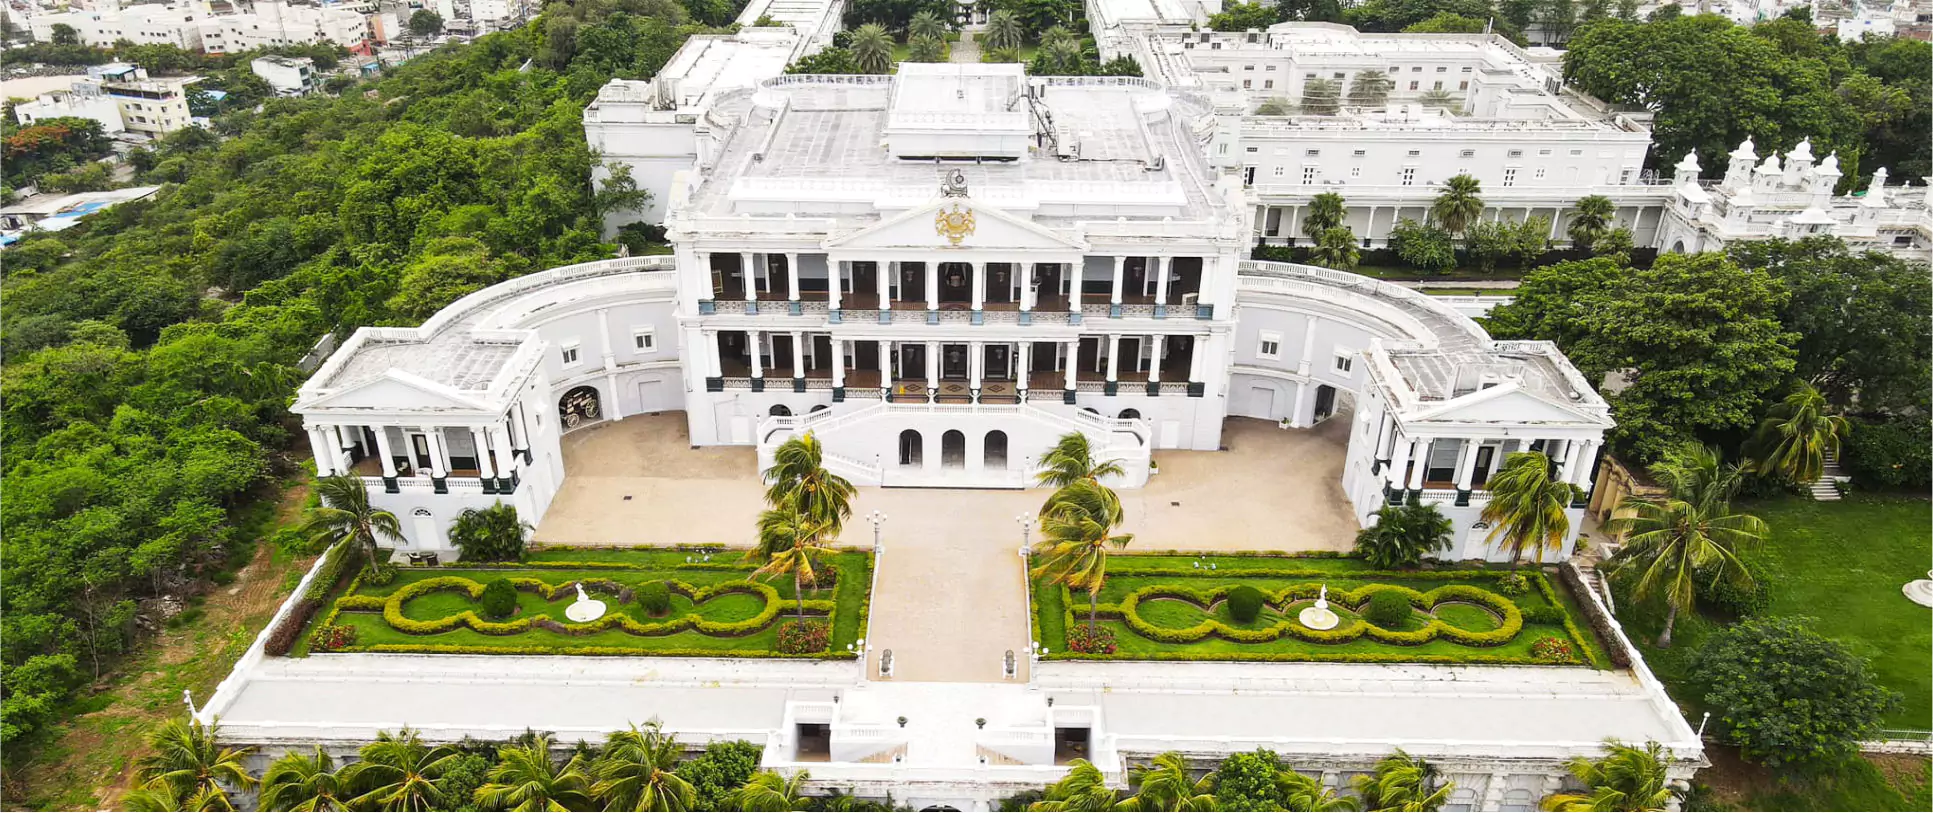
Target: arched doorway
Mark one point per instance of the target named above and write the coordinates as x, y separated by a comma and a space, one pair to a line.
995, 447
579, 406
953, 449
1325, 402
1130, 414
912, 448
781, 411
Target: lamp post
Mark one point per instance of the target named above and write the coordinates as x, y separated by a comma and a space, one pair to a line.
1026, 521
878, 519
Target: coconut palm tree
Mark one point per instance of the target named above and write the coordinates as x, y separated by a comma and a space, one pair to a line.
1527, 505
1166, 784
525, 778
789, 542
346, 516
1083, 789
925, 24
1689, 534
1370, 89
1003, 31
1071, 461
798, 473
872, 48
165, 799
1325, 212
1402, 782
1078, 531
1299, 792
926, 49
188, 759
399, 772
493, 534
1336, 248
1403, 535
1591, 221
1627, 778
1797, 436
1057, 57
305, 782
771, 791
636, 771
1458, 205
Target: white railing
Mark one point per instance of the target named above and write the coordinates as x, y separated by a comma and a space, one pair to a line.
1686, 743
1356, 283
231, 686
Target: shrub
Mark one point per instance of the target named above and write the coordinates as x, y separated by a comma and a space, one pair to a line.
1513, 584
1403, 535
334, 637
1732, 600
1244, 603
654, 597
336, 564
286, 633
1888, 455
802, 637
1096, 641
499, 599
380, 574
1790, 696
493, 534
1553, 650
1388, 609
1544, 615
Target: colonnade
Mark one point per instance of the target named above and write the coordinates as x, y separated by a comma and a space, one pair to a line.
501, 449
1403, 460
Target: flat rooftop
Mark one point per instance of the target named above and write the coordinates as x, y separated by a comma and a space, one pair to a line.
1538, 368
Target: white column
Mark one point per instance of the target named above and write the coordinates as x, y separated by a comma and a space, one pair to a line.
932, 286
839, 363
792, 275
1073, 362
751, 276
382, 450
1161, 280
751, 345
439, 464
886, 366
519, 434
344, 463
500, 451
704, 265
1026, 351
1120, 275
835, 282
1073, 276
1026, 278
1301, 400
883, 274
798, 355
714, 366
976, 360
1400, 456
482, 442
1419, 463
1197, 350
978, 283
1466, 463
1308, 347
325, 463
1582, 471
932, 369
1154, 362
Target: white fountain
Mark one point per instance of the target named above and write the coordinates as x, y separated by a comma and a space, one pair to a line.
1921, 590
584, 608
1319, 617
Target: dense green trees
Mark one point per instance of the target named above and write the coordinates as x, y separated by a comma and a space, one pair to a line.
49, 146
1688, 534
1788, 696
1403, 535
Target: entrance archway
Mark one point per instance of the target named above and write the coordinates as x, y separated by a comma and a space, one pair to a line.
781, 411
912, 448
995, 448
953, 449
579, 406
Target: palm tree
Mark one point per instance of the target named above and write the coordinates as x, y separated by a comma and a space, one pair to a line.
1441, 99
1057, 57
1071, 461
790, 542
1627, 778
1336, 248
1166, 784
926, 49
925, 24
771, 791
493, 534
1370, 89
635, 771
525, 778
1686, 535
188, 759
166, 799
1003, 31
1591, 221
872, 48
1800, 435
1526, 506
1458, 205
1402, 782
1325, 212
798, 472
1300, 792
399, 773
1403, 535
346, 516
1083, 789
1078, 529
305, 782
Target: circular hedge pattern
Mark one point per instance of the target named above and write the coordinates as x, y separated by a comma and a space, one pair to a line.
1352, 628
392, 608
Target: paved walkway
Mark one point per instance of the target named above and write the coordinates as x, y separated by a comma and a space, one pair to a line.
967, 49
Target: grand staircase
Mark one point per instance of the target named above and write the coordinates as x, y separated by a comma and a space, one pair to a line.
1826, 488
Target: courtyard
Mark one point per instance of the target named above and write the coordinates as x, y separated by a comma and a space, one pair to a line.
951, 596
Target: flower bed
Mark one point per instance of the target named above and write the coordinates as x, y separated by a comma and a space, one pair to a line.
1175, 607
716, 607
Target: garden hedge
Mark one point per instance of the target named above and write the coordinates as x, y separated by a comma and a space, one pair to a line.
1127, 612
392, 609
328, 576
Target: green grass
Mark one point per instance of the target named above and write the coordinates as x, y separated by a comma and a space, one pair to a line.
629, 567
1052, 604
1842, 564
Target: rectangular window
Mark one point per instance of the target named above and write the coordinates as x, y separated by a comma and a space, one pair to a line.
1516, 153
1467, 154
1270, 68
1308, 76
1248, 83
570, 354
644, 340
1355, 172
1268, 83
1414, 153
1575, 153
1254, 149
1311, 175
1271, 346
1465, 85
1338, 76
1539, 174
1409, 176
1438, 85
1414, 85
1248, 67
1278, 171
1466, 69
1360, 153
1345, 361
1624, 176
1416, 69
1543, 152
1442, 69
1312, 153
1441, 466
1510, 176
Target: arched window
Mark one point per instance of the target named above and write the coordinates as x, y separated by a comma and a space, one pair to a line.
1130, 414
579, 406
912, 448
1090, 409
819, 407
995, 447
953, 449
781, 411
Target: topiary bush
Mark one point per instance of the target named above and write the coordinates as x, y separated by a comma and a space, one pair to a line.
499, 599
1245, 603
654, 597
379, 574
1388, 609
1513, 584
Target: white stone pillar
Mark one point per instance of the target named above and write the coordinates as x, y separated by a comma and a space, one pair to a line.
506, 465
1197, 352
798, 355
1161, 280
519, 434
1301, 400
1466, 463
325, 463
1120, 276
978, 283
976, 362
751, 276
1307, 363
792, 275
1399, 464
1419, 463
714, 365
886, 367
932, 370
1113, 354
839, 363
1026, 278
1154, 363
932, 286
835, 282
1073, 362
1026, 350
484, 469
751, 347
1073, 275
382, 450
439, 462
1583, 471
883, 274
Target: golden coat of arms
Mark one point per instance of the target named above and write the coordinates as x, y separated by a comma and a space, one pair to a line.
954, 224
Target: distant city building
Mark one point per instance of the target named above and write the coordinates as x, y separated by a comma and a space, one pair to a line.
121, 97
289, 76
1791, 197
195, 26
85, 101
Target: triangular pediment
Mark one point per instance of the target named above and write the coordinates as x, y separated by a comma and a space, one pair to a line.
394, 391
956, 223
1504, 404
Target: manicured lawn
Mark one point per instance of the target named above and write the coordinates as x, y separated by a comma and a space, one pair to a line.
1841, 564
845, 602
1142, 585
